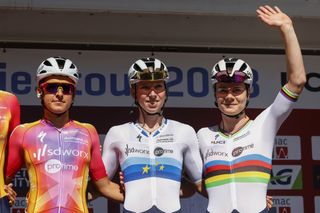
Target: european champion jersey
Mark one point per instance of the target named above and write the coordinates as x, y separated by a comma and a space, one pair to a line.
237, 167
58, 163
152, 163
9, 119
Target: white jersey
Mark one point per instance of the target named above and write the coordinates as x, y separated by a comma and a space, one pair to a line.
152, 163
237, 167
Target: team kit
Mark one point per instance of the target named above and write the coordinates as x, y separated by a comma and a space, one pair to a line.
160, 160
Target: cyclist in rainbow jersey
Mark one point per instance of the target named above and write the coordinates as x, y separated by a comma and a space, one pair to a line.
237, 152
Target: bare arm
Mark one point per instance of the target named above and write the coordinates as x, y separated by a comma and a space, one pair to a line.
188, 188
273, 16
109, 189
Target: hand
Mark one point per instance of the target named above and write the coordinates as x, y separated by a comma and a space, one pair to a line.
121, 178
273, 16
11, 193
269, 202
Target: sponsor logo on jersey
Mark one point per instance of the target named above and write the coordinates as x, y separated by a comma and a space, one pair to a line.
216, 141
41, 136
210, 152
72, 139
53, 166
158, 151
132, 150
41, 152
241, 136
286, 177
75, 131
167, 138
239, 150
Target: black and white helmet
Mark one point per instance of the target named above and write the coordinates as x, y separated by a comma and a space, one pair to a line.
147, 69
57, 66
232, 70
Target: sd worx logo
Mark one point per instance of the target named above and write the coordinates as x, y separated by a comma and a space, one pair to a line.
45, 151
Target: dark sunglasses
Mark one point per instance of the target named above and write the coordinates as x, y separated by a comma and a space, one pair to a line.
237, 77
53, 88
151, 76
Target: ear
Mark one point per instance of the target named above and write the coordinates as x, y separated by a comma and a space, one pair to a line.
39, 93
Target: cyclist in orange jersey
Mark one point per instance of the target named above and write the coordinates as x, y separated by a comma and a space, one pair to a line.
9, 119
59, 153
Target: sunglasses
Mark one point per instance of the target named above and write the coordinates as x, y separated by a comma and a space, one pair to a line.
53, 88
235, 91
151, 76
237, 77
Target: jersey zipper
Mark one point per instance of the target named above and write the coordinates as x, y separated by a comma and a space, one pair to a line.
61, 170
233, 182
153, 177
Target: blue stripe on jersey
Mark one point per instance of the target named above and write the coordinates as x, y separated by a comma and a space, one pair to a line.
156, 133
138, 160
238, 160
140, 171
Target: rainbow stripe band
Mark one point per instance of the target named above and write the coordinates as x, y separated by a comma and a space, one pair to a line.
288, 94
251, 168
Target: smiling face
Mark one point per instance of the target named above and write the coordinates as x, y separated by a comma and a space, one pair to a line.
231, 97
150, 95
57, 94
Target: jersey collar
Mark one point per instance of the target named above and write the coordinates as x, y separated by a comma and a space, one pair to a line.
142, 131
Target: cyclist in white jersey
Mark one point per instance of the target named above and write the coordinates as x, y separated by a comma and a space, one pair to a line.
153, 151
237, 152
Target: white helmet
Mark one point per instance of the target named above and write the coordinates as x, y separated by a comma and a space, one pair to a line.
232, 70
57, 66
148, 69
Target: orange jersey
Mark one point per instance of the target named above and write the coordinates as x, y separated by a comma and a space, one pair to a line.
58, 163
9, 119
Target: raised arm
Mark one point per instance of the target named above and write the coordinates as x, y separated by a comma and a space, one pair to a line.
273, 16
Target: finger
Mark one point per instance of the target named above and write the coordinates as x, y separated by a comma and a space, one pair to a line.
8, 189
270, 9
277, 9
265, 10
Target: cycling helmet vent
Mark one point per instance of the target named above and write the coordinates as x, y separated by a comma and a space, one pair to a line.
148, 69
57, 66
